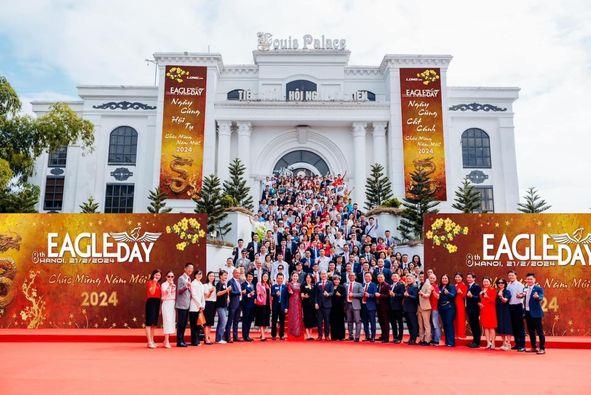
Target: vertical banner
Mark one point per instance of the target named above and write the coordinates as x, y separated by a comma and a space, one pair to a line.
183, 123
555, 247
422, 127
90, 270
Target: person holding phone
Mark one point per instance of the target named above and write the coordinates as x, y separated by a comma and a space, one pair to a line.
168, 314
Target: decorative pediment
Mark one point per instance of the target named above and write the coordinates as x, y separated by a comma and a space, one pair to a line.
124, 105
477, 107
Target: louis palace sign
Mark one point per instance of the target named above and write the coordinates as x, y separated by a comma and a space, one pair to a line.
266, 42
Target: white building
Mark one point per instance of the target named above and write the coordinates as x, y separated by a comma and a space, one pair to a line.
303, 108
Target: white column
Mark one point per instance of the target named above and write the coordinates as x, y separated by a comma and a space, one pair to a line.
379, 144
360, 166
223, 159
244, 131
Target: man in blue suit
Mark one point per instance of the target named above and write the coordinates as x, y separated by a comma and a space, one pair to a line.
369, 307
248, 295
234, 307
533, 294
323, 291
280, 298
410, 304
473, 309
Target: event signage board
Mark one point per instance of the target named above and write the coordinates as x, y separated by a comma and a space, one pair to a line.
183, 123
555, 247
89, 270
422, 127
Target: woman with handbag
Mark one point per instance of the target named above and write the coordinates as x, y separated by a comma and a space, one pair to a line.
262, 305
196, 308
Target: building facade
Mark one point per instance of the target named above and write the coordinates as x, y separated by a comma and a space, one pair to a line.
306, 110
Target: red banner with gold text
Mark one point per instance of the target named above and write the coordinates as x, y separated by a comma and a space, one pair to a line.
422, 128
89, 270
555, 247
183, 123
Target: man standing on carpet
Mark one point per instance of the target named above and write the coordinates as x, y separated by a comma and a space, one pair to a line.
533, 294
368, 307
323, 297
183, 303
396, 296
473, 309
515, 287
234, 307
410, 304
354, 293
248, 295
280, 298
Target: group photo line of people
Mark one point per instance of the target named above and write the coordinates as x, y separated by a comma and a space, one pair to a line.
322, 265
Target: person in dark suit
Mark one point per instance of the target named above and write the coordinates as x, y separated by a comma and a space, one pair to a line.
253, 247
383, 302
234, 307
410, 303
337, 312
237, 253
279, 306
446, 307
247, 305
473, 309
396, 296
533, 294
323, 297
285, 251
368, 307
381, 269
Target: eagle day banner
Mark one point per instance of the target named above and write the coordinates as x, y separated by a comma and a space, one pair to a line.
89, 270
183, 122
422, 128
555, 247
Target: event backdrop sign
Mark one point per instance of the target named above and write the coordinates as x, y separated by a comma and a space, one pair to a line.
555, 247
89, 270
422, 127
183, 122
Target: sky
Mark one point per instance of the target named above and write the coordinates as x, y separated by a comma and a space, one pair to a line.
47, 48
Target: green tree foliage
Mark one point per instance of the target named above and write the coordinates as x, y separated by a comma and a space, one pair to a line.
378, 188
19, 200
533, 202
420, 202
236, 185
90, 206
209, 201
468, 199
158, 202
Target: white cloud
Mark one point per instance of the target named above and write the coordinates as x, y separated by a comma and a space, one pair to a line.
542, 47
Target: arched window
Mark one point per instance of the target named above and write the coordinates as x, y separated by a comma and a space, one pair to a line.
234, 94
123, 146
475, 148
304, 88
294, 160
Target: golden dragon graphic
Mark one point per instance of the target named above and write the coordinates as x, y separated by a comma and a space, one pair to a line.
181, 182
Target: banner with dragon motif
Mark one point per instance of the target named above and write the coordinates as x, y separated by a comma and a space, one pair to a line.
89, 270
555, 247
183, 123
422, 129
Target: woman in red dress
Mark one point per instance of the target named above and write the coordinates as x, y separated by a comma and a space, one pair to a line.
294, 316
460, 320
488, 312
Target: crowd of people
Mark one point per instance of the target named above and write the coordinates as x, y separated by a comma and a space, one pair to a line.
322, 264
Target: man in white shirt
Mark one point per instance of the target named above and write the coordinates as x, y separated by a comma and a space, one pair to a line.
372, 229
275, 267
323, 261
515, 287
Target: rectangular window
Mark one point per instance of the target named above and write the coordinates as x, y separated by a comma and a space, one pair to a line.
119, 198
58, 157
487, 204
54, 194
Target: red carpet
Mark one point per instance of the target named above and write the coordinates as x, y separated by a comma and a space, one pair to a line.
285, 368
138, 336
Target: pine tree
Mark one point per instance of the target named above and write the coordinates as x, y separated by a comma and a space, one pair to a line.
22, 200
209, 201
158, 202
90, 206
378, 188
468, 199
236, 186
533, 202
420, 203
